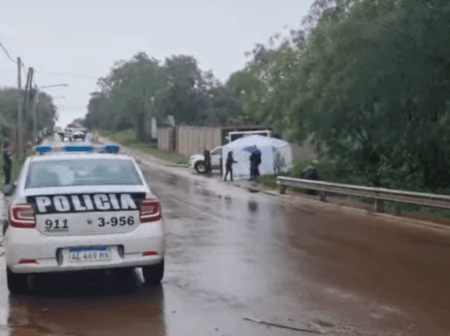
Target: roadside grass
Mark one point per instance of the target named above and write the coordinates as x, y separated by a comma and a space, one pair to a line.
17, 163
269, 181
128, 138
329, 172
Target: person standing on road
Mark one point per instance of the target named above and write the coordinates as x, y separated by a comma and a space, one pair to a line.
207, 155
7, 162
229, 166
257, 163
253, 166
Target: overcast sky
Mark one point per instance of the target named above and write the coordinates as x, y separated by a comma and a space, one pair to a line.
77, 42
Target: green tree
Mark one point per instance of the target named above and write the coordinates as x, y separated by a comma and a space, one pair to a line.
45, 116
141, 88
368, 79
184, 95
139, 79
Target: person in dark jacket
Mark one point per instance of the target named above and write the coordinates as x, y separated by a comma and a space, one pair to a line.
207, 155
253, 160
310, 173
257, 163
7, 162
229, 166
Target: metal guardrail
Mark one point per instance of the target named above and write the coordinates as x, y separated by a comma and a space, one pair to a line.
378, 194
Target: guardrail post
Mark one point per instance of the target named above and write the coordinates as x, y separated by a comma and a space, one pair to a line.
323, 195
398, 209
283, 189
379, 205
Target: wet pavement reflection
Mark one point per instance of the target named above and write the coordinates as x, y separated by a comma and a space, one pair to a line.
89, 303
235, 254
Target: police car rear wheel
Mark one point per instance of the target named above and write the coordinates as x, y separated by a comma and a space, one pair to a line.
153, 274
17, 283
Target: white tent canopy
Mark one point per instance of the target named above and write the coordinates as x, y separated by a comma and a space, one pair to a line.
276, 156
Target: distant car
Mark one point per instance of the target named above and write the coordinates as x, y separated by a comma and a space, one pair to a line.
197, 161
73, 134
79, 210
78, 135
67, 133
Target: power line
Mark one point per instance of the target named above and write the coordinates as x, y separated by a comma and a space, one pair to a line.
7, 53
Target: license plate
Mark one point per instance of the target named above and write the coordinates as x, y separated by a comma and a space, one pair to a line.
89, 254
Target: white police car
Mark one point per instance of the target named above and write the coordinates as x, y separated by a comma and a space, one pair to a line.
79, 209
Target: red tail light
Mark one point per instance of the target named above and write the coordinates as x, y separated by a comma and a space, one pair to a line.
22, 216
149, 253
27, 261
150, 211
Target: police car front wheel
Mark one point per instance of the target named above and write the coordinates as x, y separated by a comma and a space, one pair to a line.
153, 274
17, 283
200, 167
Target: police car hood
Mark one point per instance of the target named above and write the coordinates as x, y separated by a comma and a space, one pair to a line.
197, 157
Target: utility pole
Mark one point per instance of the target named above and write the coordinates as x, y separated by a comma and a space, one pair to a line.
17, 136
26, 93
34, 107
26, 107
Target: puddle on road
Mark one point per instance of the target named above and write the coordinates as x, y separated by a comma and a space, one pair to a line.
252, 207
172, 179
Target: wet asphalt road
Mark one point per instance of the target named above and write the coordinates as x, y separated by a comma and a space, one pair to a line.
232, 254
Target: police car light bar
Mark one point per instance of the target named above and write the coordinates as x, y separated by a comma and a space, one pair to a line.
79, 148
42, 149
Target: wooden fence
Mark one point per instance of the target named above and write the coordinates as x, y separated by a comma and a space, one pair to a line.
189, 140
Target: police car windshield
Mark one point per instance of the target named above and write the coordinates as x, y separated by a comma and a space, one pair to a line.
85, 172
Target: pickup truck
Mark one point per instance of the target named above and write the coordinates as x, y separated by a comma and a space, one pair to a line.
197, 161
